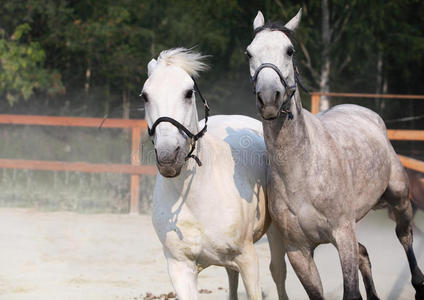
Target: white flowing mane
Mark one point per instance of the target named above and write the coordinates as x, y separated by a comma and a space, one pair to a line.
188, 60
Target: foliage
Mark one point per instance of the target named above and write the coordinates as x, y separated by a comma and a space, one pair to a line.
97, 51
21, 70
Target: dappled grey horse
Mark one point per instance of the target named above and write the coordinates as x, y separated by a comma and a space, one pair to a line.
327, 170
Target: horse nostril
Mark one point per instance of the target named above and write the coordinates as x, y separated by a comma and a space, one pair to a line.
277, 96
261, 102
176, 152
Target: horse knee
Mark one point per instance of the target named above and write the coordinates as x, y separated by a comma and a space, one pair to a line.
362, 250
183, 276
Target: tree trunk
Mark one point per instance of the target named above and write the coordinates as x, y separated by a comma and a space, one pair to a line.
324, 84
384, 90
125, 105
379, 81
87, 77
152, 46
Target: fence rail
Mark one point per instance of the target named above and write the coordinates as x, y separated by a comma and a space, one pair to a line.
393, 134
46, 165
71, 121
135, 169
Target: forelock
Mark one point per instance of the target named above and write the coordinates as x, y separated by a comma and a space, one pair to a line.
276, 26
190, 61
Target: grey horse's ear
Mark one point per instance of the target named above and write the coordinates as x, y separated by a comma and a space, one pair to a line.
259, 20
151, 66
294, 22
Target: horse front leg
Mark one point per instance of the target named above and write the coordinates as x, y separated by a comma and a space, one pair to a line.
347, 245
233, 277
277, 265
307, 272
183, 276
248, 265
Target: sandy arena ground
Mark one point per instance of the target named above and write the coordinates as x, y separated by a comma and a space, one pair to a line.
57, 255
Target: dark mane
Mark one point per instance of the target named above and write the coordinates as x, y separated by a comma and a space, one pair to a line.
276, 26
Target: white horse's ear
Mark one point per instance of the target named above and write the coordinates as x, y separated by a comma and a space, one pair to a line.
293, 23
151, 66
259, 20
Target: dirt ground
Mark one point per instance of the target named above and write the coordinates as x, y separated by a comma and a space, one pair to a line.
59, 255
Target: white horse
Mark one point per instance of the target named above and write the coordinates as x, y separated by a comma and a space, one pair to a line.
209, 214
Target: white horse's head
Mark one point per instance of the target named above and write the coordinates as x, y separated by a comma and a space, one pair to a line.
169, 92
271, 60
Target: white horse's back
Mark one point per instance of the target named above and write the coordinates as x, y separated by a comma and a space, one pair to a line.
218, 125
240, 132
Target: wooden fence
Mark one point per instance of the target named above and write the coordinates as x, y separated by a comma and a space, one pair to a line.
394, 134
137, 127
135, 169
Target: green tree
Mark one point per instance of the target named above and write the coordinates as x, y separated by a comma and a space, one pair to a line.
21, 68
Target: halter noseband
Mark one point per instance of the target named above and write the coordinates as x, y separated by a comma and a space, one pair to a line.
290, 89
182, 128
253, 79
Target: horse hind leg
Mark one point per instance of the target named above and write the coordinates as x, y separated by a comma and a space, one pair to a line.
397, 197
365, 268
233, 278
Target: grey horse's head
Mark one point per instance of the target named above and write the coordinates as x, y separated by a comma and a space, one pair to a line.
272, 46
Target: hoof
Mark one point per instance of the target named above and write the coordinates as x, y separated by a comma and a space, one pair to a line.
373, 297
419, 289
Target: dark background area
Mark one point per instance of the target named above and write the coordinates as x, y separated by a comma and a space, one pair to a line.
88, 58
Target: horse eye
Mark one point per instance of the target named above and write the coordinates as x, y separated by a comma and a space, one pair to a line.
248, 54
290, 51
189, 94
144, 96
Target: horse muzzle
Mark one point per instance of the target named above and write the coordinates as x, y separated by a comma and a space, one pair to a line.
169, 162
268, 104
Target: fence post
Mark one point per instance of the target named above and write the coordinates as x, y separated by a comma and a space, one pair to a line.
315, 97
135, 161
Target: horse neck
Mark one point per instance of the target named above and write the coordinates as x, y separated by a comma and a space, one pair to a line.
288, 140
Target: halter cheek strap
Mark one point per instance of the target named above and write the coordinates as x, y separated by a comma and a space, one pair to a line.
182, 128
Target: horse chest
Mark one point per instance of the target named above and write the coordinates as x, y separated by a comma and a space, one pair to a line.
301, 220
305, 225
186, 237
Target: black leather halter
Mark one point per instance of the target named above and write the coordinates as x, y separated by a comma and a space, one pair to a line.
290, 89
254, 78
182, 128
